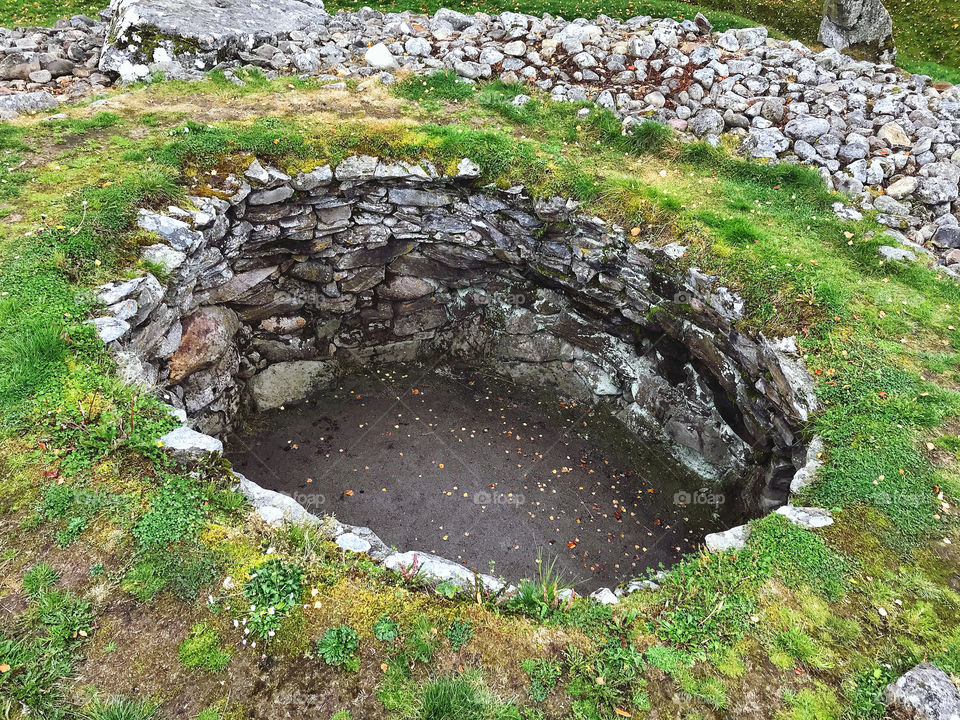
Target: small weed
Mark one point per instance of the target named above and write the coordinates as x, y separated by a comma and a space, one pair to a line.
459, 633
543, 675
120, 709
452, 698
339, 646
274, 588
385, 629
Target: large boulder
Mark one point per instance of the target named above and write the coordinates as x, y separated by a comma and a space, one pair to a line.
289, 382
201, 31
862, 28
923, 693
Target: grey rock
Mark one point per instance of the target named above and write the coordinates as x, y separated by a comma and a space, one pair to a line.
934, 190
312, 180
289, 382
176, 232
605, 596
352, 542
706, 122
436, 569
380, 57
861, 25
733, 539
807, 128
768, 143
923, 693
806, 517
201, 27
184, 443
888, 252
28, 102
110, 328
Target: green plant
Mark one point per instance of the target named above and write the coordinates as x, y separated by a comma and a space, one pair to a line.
649, 137
201, 649
421, 643
540, 598
385, 629
175, 513
543, 675
431, 89
460, 633
40, 578
273, 589
121, 709
339, 645
72, 531
447, 589
451, 698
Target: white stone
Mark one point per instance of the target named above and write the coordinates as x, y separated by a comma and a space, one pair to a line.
187, 444
605, 596
806, 517
164, 256
354, 543
732, 539
436, 569
110, 328
380, 57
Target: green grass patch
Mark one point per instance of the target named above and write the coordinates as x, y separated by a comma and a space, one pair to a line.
201, 649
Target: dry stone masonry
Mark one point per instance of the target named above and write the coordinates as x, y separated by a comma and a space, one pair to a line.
277, 285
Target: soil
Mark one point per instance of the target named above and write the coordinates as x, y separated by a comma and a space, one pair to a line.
482, 472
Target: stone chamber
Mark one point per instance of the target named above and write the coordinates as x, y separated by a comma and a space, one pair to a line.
275, 286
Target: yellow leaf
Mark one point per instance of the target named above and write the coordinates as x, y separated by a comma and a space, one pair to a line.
622, 713
4, 668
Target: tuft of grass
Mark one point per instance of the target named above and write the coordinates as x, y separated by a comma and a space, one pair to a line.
452, 698
648, 137
40, 578
339, 646
430, 90
120, 709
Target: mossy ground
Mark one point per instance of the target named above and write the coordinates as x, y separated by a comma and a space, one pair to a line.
797, 625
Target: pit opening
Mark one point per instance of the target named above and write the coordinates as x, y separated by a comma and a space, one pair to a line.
298, 294
477, 469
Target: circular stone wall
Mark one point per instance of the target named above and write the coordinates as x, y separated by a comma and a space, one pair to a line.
277, 285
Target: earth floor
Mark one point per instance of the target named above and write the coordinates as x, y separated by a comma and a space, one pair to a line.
483, 472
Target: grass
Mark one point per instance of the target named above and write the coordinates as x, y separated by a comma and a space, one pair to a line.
14, 13
201, 649
790, 600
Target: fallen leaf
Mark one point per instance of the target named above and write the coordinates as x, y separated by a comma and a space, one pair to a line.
348, 493
4, 668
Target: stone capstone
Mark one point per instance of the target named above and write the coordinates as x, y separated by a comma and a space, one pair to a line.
200, 29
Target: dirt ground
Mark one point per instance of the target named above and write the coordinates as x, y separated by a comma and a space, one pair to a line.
479, 471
